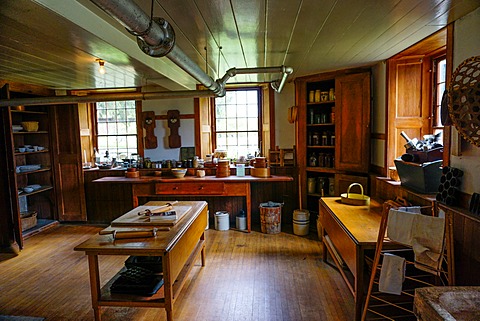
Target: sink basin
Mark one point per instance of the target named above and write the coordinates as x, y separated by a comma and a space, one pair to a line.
448, 303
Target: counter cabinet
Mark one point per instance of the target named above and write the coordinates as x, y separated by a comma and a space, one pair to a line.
233, 194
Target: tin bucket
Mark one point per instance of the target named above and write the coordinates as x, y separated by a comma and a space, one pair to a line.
271, 217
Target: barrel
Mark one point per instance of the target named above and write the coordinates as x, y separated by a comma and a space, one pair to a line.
301, 220
271, 217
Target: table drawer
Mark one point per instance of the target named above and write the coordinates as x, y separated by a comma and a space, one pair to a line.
341, 240
190, 188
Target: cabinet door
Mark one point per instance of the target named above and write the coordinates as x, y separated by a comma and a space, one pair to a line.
352, 119
68, 164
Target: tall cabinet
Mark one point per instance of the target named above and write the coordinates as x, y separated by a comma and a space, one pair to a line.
332, 133
40, 165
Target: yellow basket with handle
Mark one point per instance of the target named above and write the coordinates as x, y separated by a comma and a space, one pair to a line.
353, 198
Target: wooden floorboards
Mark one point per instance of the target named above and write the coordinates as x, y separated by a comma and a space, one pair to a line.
247, 277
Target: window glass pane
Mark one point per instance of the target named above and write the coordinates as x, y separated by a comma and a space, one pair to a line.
102, 128
252, 111
252, 124
252, 97
117, 128
221, 124
132, 128
242, 111
232, 139
221, 140
231, 124
112, 128
220, 111
237, 115
252, 139
242, 123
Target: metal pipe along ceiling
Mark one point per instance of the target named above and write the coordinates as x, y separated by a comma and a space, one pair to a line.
72, 99
157, 38
132, 17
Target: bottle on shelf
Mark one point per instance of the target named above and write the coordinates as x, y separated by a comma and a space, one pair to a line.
324, 139
313, 161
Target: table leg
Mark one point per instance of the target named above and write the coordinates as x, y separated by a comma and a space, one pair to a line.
359, 295
94, 284
248, 200
324, 247
203, 249
168, 287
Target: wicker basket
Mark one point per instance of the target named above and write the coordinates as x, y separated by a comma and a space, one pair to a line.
30, 126
29, 220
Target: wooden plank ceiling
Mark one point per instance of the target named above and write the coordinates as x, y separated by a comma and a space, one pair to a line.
55, 42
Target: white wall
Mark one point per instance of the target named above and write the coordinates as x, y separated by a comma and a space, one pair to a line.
379, 74
466, 45
284, 131
186, 130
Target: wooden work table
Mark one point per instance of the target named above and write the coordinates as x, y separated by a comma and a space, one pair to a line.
179, 247
150, 186
349, 231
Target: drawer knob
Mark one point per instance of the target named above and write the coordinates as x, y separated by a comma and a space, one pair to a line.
201, 187
175, 188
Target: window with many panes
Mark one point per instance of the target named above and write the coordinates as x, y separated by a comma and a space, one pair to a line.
117, 128
237, 125
439, 77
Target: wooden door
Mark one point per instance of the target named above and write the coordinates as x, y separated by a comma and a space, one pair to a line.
203, 126
352, 122
70, 192
408, 106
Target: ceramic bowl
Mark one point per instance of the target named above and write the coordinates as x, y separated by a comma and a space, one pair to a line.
179, 172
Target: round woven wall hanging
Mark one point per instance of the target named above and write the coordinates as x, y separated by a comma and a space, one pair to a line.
464, 100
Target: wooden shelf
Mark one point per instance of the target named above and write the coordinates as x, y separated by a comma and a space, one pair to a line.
29, 112
46, 169
328, 102
40, 190
31, 133
322, 147
30, 153
322, 170
321, 125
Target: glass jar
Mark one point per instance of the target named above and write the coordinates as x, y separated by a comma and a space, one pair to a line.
317, 95
315, 139
331, 94
324, 139
313, 161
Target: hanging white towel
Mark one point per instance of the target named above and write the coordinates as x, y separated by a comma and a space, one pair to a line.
428, 242
400, 225
392, 274
411, 209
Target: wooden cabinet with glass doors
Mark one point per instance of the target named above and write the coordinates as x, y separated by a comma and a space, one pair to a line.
332, 133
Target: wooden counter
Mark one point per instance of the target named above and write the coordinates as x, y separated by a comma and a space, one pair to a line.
179, 248
150, 186
352, 230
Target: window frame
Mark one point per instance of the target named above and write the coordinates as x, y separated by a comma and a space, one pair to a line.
138, 121
436, 104
260, 100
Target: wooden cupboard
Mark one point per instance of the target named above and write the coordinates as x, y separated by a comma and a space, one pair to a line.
36, 186
332, 133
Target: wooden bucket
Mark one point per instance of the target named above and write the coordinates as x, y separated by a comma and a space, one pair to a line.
271, 217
